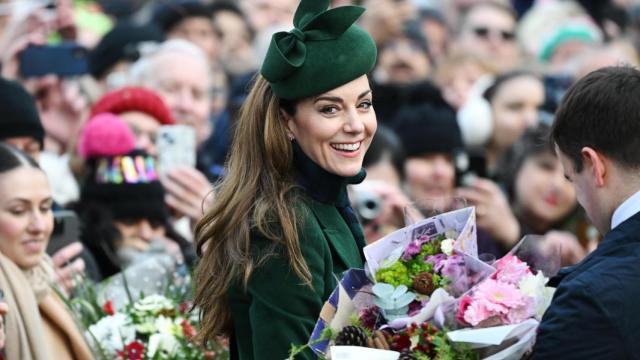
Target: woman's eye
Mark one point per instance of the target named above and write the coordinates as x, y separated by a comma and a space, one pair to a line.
329, 110
17, 211
366, 104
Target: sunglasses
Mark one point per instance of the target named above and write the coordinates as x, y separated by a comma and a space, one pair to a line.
485, 32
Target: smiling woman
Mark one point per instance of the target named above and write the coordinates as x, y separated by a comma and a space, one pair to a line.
281, 227
38, 323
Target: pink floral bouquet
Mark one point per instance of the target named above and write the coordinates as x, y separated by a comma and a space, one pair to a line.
505, 308
511, 295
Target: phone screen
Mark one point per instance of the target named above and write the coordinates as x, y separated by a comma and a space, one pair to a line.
176, 146
469, 167
66, 230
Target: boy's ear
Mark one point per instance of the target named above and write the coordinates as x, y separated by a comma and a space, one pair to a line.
596, 163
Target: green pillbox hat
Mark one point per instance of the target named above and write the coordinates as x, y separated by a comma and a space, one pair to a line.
324, 51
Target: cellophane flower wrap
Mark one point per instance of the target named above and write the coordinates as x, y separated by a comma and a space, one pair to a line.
504, 310
409, 273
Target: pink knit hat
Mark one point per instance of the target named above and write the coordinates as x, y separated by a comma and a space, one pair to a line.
105, 134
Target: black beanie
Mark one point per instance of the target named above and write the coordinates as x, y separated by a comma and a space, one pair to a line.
167, 14
143, 199
18, 113
121, 44
425, 129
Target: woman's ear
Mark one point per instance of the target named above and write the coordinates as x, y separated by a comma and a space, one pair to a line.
596, 163
288, 123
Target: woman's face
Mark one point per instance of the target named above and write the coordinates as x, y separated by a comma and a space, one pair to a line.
335, 128
542, 191
139, 233
430, 177
515, 107
26, 219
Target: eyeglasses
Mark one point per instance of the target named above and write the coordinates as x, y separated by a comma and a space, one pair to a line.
485, 32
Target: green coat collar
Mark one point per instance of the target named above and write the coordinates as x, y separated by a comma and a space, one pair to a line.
340, 238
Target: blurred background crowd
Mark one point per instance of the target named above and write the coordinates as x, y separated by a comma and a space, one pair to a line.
464, 92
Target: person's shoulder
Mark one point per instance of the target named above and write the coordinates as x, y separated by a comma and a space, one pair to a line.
610, 276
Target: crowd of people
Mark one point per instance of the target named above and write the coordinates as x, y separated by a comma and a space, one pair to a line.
464, 93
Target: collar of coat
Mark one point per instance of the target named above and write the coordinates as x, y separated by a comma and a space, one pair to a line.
622, 235
320, 184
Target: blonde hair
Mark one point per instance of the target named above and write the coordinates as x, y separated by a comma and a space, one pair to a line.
255, 197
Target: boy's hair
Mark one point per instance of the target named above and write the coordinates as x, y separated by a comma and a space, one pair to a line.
601, 111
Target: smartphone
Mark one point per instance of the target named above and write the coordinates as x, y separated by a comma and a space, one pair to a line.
66, 59
176, 146
66, 230
469, 166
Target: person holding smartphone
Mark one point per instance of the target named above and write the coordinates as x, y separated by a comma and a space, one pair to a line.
39, 323
21, 126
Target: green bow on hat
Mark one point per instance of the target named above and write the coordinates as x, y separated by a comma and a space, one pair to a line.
323, 51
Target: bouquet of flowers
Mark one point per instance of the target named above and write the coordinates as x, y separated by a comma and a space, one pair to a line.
156, 326
410, 273
501, 314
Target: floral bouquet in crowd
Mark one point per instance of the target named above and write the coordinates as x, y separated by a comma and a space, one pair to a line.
501, 314
134, 325
409, 274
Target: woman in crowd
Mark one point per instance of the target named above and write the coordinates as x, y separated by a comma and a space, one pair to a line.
122, 203
543, 201
281, 228
38, 324
515, 99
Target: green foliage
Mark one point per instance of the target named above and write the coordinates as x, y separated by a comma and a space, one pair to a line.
396, 275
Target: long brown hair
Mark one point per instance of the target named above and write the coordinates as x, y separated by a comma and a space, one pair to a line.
256, 193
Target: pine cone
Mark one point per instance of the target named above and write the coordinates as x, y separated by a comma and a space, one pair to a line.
423, 283
407, 355
352, 335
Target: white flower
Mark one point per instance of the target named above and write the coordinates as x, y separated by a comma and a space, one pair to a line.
544, 301
162, 342
165, 325
153, 303
446, 246
113, 332
534, 286
451, 234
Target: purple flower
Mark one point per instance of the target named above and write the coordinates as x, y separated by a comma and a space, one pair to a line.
437, 261
370, 317
414, 247
414, 307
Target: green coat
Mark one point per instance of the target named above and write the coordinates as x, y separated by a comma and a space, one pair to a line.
277, 310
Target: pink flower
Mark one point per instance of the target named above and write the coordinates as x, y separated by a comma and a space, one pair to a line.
476, 312
465, 302
523, 312
498, 296
510, 269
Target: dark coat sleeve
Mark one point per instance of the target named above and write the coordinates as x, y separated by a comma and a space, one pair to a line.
578, 326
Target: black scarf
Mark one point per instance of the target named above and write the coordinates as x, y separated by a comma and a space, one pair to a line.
328, 188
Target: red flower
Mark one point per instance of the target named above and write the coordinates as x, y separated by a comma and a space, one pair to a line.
135, 350
184, 307
108, 308
188, 330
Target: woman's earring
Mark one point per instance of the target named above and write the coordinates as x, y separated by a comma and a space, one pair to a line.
291, 138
